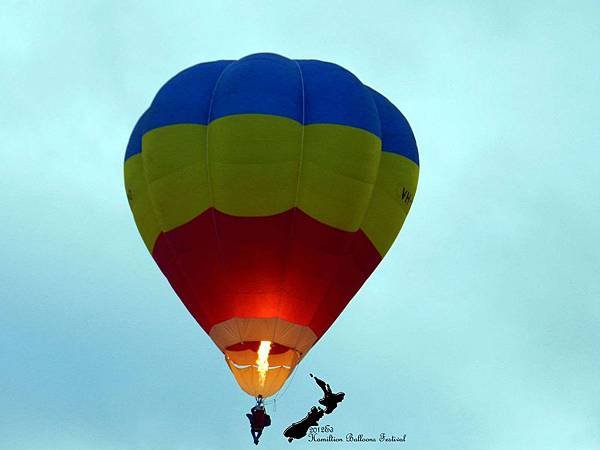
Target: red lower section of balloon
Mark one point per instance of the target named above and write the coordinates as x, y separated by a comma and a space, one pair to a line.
287, 265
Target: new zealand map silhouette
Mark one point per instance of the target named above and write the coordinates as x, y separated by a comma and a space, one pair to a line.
330, 400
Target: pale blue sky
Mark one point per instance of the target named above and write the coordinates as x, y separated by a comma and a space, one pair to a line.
481, 328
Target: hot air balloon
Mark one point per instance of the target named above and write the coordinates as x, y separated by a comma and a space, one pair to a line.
267, 190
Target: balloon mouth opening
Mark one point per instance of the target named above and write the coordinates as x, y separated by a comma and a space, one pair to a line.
261, 367
255, 345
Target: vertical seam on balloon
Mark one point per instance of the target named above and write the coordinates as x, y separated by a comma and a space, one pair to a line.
284, 272
300, 162
300, 165
352, 239
209, 179
159, 220
362, 222
292, 215
380, 152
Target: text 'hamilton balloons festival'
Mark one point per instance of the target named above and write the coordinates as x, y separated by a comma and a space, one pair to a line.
267, 190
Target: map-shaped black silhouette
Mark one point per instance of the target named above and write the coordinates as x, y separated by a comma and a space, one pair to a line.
330, 400
299, 429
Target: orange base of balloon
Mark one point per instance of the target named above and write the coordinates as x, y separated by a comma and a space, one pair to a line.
242, 360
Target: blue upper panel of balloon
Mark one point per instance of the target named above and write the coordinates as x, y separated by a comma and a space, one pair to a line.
307, 91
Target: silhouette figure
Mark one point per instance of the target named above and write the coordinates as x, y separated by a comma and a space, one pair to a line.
329, 400
299, 429
259, 419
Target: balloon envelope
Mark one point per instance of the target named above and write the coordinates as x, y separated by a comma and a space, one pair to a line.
268, 190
